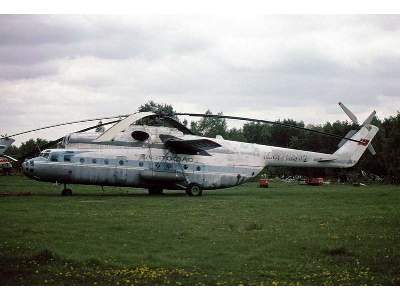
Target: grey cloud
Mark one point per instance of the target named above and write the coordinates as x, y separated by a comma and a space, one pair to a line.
13, 72
32, 39
25, 30
102, 65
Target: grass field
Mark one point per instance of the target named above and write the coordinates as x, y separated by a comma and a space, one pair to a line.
285, 235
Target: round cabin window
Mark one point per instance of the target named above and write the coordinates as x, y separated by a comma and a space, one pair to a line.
139, 135
82, 160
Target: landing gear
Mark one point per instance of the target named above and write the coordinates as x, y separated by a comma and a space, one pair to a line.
194, 189
155, 191
65, 191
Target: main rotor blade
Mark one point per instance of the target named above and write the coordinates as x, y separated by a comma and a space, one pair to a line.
68, 123
267, 122
55, 142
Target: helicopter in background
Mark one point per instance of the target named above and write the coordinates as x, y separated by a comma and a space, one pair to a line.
156, 152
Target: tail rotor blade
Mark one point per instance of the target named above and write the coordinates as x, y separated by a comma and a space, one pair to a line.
371, 149
349, 113
369, 119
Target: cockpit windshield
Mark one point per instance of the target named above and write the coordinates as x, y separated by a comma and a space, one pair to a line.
161, 121
45, 154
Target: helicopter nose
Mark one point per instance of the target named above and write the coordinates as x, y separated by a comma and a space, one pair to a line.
25, 167
28, 167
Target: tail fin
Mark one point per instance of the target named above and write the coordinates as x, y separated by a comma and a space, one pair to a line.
351, 151
5, 142
355, 121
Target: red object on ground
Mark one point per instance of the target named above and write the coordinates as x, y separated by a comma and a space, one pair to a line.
263, 182
314, 180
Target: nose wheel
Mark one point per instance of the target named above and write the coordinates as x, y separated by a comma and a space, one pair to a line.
65, 191
194, 190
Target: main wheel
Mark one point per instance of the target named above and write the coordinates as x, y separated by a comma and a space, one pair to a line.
66, 192
194, 189
155, 191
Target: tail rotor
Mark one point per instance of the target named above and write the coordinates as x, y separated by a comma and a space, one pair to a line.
354, 119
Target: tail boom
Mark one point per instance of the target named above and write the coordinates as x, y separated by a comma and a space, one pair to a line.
345, 157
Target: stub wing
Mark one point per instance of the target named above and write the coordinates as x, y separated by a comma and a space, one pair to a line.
194, 146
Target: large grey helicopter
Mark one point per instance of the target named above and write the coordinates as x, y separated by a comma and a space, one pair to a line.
156, 152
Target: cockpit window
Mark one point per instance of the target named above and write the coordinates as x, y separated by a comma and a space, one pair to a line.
54, 157
46, 155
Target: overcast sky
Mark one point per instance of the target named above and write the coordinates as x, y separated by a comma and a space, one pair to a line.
60, 68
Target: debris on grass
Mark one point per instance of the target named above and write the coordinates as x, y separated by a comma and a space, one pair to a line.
3, 194
338, 251
253, 226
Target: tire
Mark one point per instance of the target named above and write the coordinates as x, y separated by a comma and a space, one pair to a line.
155, 191
66, 192
194, 190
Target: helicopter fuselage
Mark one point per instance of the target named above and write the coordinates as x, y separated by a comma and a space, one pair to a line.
148, 151
144, 164
149, 163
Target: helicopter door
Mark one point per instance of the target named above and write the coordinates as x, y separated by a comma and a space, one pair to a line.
198, 173
120, 174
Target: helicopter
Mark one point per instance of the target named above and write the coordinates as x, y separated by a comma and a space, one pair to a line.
156, 152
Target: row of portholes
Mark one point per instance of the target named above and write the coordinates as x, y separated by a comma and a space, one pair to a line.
121, 163
106, 161
158, 165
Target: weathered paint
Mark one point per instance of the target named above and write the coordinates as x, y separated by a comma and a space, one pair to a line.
125, 162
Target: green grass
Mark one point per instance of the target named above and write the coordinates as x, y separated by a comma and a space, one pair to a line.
285, 235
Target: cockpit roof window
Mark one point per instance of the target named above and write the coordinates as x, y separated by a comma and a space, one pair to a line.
54, 157
45, 154
156, 120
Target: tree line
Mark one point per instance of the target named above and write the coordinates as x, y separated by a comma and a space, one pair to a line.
385, 163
